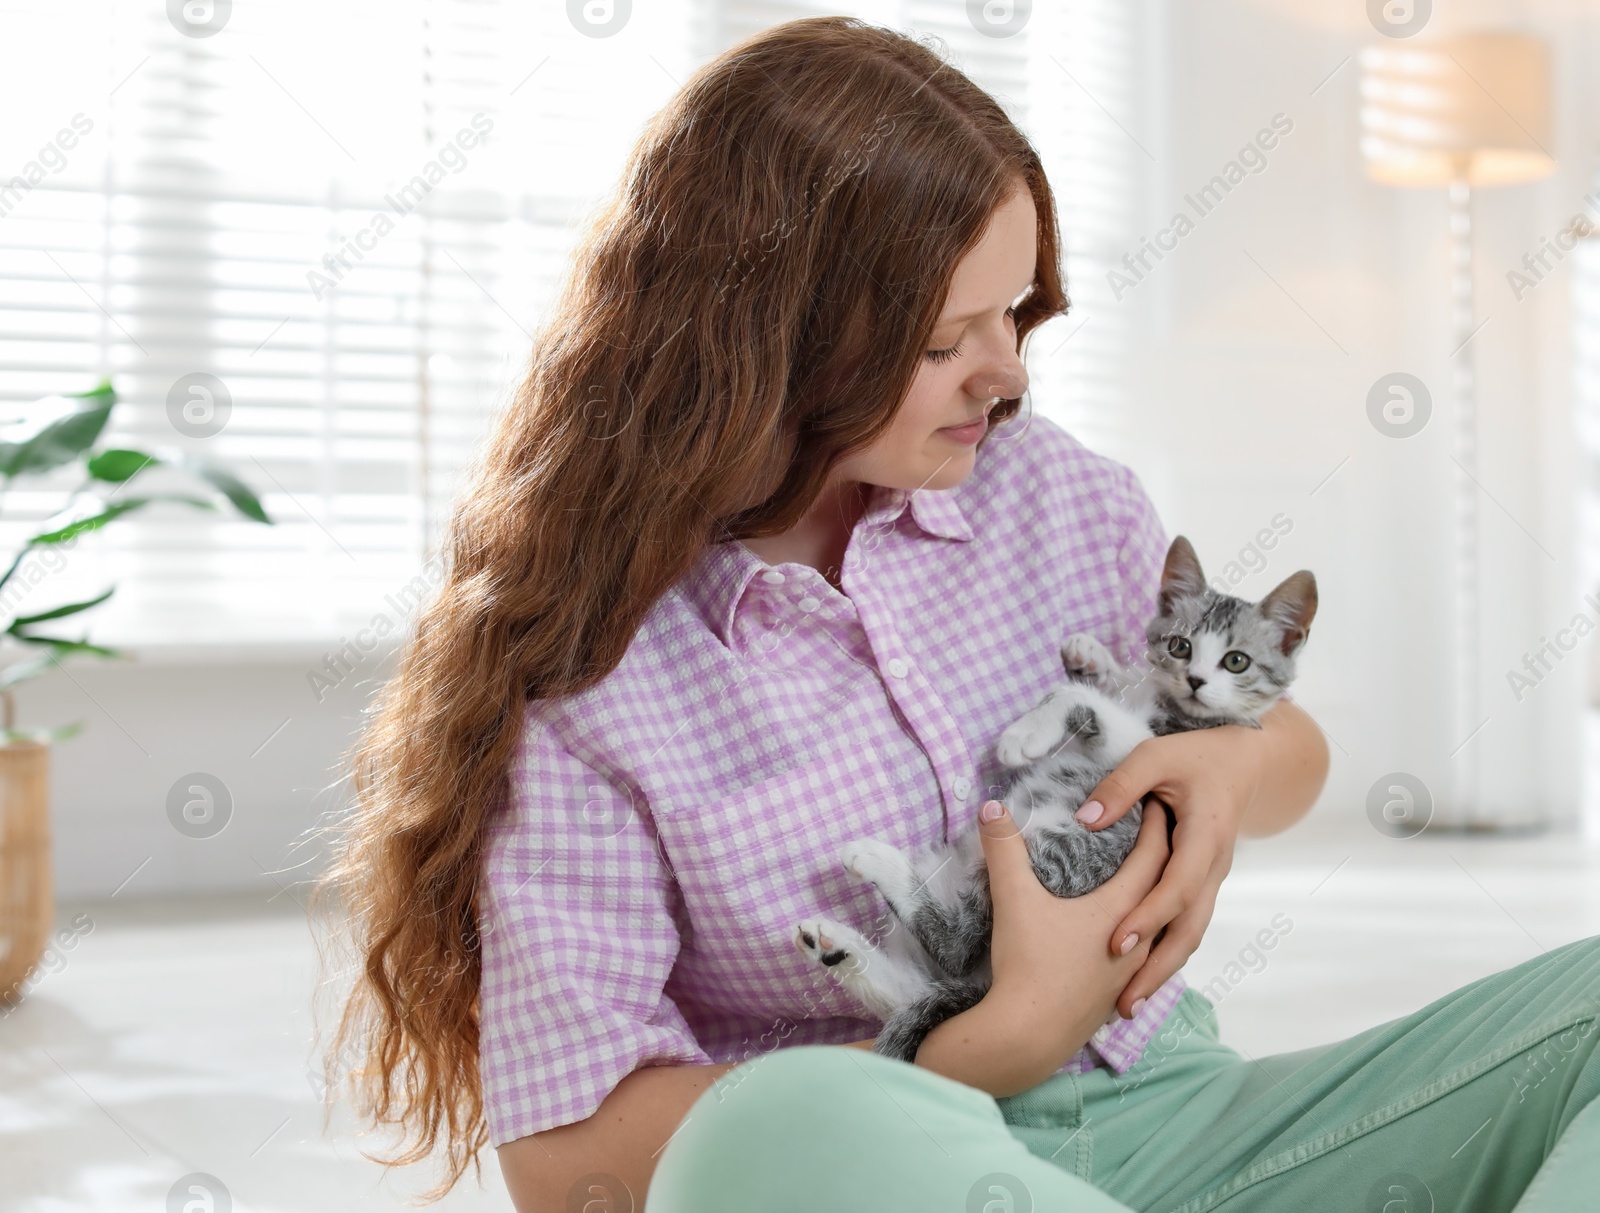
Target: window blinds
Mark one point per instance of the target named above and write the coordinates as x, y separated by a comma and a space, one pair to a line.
345, 220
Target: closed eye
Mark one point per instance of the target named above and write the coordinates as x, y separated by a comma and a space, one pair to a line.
953, 351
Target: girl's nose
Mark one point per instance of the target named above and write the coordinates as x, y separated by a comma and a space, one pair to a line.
1005, 383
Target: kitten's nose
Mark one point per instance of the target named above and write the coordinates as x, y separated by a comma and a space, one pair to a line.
1196, 683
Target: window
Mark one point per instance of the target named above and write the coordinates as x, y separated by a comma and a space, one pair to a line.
350, 215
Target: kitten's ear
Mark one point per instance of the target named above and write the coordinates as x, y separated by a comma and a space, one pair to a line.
1292, 606
1181, 576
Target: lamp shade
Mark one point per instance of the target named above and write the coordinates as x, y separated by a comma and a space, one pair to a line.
1474, 108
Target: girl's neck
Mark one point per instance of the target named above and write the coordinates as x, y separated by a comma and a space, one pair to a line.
821, 537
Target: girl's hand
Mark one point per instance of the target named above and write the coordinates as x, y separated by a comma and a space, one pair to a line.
1209, 778
1056, 977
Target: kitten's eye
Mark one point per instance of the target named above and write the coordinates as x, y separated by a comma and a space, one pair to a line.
943, 355
1236, 662
1180, 647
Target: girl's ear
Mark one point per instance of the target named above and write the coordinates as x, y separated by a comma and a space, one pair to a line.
1292, 606
1181, 576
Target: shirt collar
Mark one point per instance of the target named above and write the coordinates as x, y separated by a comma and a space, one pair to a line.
718, 581
937, 512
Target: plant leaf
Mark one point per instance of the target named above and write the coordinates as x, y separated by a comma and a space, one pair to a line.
60, 612
30, 668
43, 736
229, 485
103, 391
63, 648
57, 442
95, 521
116, 466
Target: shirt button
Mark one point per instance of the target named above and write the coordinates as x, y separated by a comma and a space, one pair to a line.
898, 667
772, 577
809, 603
963, 786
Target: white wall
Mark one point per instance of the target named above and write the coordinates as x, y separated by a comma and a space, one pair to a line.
1244, 404
251, 720
1238, 408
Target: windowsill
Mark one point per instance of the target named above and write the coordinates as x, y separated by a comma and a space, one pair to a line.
309, 652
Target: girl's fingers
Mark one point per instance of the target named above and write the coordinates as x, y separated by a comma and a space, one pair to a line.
1119, 791
1139, 875
1005, 854
1151, 851
1152, 975
1179, 887
1171, 954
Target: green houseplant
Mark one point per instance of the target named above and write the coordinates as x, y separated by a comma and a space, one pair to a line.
60, 433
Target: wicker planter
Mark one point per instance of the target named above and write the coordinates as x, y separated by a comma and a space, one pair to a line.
27, 906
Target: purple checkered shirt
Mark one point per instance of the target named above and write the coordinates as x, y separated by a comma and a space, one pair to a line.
668, 827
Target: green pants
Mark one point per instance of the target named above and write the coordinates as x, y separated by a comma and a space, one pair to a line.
1484, 1100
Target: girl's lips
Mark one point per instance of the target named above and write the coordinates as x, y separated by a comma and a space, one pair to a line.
970, 432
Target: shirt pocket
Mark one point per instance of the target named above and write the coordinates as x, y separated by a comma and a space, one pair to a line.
752, 863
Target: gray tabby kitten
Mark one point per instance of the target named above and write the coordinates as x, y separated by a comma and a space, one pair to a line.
1212, 659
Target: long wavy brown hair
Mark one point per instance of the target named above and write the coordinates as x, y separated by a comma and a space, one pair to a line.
751, 305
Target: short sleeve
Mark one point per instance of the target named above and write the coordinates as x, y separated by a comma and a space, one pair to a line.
578, 938
1141, 553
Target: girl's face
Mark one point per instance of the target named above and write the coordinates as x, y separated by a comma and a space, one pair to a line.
971, 363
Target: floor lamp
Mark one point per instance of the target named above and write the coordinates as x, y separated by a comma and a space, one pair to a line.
1463, 113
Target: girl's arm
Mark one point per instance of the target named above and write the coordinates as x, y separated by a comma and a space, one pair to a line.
1054, 984
1293, 775
1220, 783
624, 1137
1056, 979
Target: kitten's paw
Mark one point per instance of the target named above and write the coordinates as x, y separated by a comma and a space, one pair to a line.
827, 944
1009, 750
876, 863
1031, 737
1085, 657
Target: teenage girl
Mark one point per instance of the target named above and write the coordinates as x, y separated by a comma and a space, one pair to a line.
763, 558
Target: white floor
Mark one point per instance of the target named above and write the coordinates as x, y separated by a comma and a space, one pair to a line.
176, 1037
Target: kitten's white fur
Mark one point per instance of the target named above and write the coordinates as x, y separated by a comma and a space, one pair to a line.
889, 973
1175, 689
